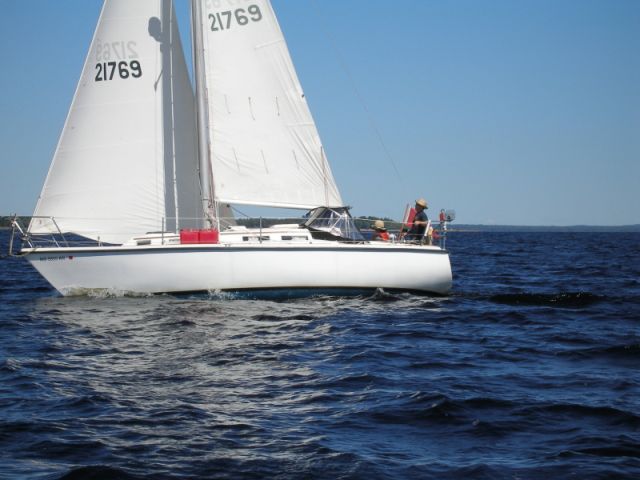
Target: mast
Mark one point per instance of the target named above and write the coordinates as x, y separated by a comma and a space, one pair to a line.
201, 112
168, 91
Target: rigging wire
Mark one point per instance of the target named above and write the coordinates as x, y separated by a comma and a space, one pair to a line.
236, 210
347, 72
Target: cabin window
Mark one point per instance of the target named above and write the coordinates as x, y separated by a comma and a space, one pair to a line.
255, 238
296, 237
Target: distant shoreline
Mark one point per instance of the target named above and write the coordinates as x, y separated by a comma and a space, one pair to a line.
474, 228
542, 228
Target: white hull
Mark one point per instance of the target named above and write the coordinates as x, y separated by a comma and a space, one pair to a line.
224, 267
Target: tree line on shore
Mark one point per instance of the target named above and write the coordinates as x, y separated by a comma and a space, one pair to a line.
361, 222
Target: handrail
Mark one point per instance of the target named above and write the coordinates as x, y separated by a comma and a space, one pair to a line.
41, 240
15, 226
56, 236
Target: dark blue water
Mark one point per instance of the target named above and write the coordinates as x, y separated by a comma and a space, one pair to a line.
529, 370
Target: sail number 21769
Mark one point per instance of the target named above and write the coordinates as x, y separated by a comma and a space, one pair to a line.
108, 70
117, 59
225, 20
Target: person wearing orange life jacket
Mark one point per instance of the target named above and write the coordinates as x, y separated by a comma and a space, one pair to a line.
379, 232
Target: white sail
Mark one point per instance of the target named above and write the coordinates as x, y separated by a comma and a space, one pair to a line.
264, 146
125, 163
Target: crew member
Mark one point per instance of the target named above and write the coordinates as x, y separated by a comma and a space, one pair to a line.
417, 230
379, 232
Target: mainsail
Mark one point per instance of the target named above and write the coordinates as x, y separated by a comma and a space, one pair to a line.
264, 146
126, 160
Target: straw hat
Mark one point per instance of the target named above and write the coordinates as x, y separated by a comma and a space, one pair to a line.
422, 202
378, 225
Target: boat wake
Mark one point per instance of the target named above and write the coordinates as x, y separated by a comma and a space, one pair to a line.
102, 293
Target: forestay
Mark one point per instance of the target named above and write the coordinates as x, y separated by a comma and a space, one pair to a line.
264, 146
125, 162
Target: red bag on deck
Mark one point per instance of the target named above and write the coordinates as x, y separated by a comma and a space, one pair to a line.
411, 214
189, 236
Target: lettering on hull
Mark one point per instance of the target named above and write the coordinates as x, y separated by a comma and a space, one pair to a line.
56, 258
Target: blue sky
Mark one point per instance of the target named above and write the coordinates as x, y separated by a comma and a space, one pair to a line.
510, 112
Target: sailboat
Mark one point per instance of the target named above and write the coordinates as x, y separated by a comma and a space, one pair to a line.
147, 169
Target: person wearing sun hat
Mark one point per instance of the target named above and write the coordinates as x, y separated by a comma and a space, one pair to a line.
379, 232
420, 221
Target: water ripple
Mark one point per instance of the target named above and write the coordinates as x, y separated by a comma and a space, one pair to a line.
527, 370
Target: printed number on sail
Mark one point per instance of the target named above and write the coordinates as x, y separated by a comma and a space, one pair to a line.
108, 51
107, 70
225, 20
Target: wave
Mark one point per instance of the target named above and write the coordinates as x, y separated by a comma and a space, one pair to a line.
489, 416
618, 353
582, 413
562, 300
602, 446
628, 450
100, 472
433, 409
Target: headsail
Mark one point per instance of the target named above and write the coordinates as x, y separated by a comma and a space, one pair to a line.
264, 146
126, 163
